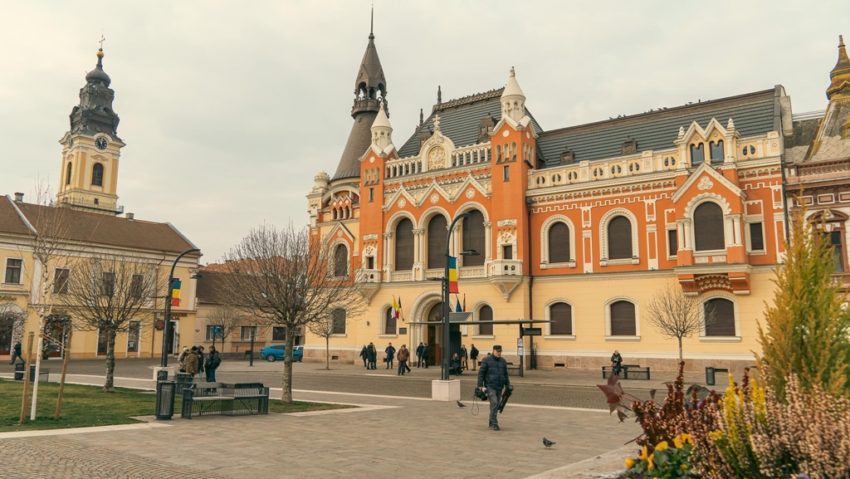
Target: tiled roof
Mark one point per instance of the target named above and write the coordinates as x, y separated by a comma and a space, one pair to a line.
753, 113
460, 120
95, 228
211, 287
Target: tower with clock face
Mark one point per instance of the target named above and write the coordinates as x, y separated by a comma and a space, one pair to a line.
91, 149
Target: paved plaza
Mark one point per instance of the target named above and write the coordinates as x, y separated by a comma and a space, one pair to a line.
386, 436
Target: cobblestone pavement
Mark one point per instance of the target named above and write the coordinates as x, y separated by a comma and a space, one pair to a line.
411, 438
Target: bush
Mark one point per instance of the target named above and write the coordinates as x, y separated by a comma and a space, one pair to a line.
665, 461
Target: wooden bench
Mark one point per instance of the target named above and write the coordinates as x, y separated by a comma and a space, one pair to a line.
225, 399
636, 372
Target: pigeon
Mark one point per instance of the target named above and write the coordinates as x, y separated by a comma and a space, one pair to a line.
548, 443
460, 404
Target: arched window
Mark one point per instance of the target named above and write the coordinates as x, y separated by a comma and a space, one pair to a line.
437, 232
561, 315
473, 238
559, 243
697, 154
708, 227
338, 318
719, 317
622, 316
485, 317
716, 151
97, 175
341, 260
68, 174
619, 238
404, 245
389, 322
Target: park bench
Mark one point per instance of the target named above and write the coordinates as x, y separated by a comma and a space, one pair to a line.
238, 399
629, 371
514, 369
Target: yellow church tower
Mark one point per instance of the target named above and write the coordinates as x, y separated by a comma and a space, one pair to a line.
91, 148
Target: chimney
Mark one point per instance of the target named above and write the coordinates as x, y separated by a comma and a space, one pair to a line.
19, 197
131, 216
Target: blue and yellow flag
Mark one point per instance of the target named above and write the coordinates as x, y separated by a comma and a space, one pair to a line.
453, 274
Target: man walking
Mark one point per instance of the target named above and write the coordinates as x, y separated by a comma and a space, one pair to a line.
425, 355
473, 355
403, 356
373, 356
390, 352
419, 354
493, 378
364, 353
16, 352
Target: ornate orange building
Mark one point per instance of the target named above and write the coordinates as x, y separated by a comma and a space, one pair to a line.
581, 225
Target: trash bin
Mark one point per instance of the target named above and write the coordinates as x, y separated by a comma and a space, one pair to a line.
709, 376
165, 399
162, 375
184, 380
19, 371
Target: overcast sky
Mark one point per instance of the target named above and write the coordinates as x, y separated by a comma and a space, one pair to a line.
230, 108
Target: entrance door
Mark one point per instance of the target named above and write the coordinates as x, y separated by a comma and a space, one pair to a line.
6, 327
435, 335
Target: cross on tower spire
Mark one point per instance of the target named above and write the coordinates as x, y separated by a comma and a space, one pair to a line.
102, 39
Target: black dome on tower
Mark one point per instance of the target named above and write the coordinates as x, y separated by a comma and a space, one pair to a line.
94, 114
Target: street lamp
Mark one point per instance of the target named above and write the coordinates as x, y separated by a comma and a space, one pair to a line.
446, 325
164, 359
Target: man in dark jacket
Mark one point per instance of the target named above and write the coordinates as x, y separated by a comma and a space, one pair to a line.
425, 353
16, 352
419, 354
201, 359
364, 353
212, 363
493, 378
390, 352
473, 355
373, 356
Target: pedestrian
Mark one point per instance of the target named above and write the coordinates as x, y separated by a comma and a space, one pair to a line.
454, 365
16, 352
419, 354
213, 361
390, 351
364, 353
373, 356
616, 362
425, 352
473, 355
181, 360
464, 363
493, 378
403, 356
191, 361
201, 359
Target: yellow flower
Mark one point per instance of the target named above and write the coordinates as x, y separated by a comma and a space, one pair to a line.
715, 435
630, 463
683, 467
661, 446
682, 439
649, 461
643, 452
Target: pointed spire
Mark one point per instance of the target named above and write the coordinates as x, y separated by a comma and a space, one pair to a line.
370, 81
439, 95
421, 117
840, 74
94, 113
372, 23
730, 125
382, 120
512, 86
382, 130
513, 99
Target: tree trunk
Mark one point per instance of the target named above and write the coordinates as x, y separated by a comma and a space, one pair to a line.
327, 352
286, 396
110, 361
66, 356
27, 360
39, 350
680, 350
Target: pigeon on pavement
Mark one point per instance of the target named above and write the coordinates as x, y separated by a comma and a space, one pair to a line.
460, 404
548, 443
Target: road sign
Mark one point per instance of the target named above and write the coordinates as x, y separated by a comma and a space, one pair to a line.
532, 331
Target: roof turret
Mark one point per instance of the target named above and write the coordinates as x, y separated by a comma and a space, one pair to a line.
840, 74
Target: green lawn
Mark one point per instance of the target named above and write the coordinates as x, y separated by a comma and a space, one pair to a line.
89, 406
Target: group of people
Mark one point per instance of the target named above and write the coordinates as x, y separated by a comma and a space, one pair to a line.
194, 361
459, 361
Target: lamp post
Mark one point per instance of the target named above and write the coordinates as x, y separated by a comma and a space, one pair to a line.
167, 325
446, 333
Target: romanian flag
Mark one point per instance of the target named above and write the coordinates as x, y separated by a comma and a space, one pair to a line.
453, 275
175, 292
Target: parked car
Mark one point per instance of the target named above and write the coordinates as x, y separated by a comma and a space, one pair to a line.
275, 352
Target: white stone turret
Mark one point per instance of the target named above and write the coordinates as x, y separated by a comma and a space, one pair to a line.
382, 131
513, 99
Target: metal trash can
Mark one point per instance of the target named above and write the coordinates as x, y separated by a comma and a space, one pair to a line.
165, 399
19, 371
184, 380
162, 375
709, 376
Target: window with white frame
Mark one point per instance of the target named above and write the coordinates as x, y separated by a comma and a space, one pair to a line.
404, 245
755, 232
13, 270
672, 243
619, 236
247, 332
622, 318
708, 227
719, 314
561, 315
340, 260
559, 243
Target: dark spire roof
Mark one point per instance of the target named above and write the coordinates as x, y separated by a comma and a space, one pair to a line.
94, 114
370, 89
840, 74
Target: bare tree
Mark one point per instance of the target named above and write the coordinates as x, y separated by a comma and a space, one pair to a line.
328, 325
105, 293
227, 318
284, 277
676, 315
50, 231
